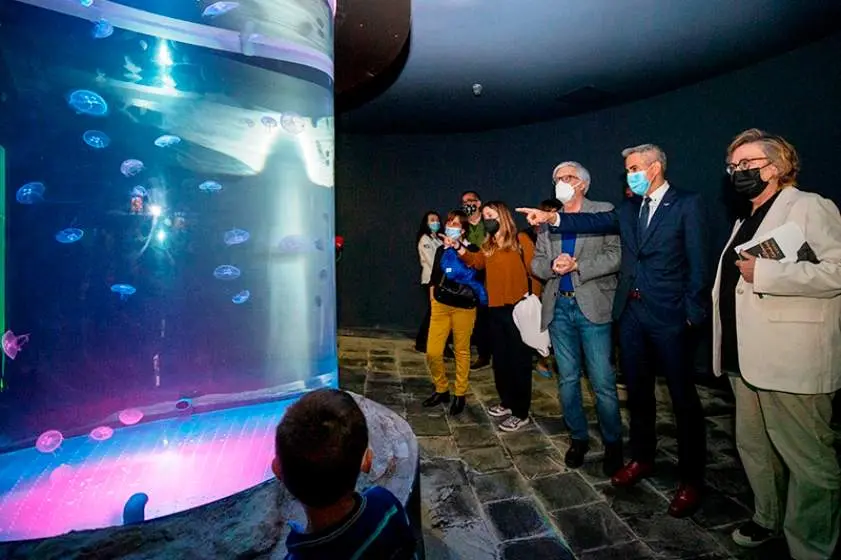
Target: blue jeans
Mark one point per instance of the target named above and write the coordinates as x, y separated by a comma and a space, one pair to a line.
571, 332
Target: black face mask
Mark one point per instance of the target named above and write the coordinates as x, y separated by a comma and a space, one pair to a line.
469, 209
748, 183
491, 226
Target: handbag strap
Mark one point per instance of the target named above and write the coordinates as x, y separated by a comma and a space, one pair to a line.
526, 269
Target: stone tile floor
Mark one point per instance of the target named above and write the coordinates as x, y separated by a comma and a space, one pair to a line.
490, 494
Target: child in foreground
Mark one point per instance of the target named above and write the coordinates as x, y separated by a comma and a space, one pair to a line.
321, 445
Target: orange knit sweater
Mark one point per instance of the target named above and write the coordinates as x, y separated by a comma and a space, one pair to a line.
505, 277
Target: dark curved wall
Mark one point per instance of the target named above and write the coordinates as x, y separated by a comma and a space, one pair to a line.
385, 183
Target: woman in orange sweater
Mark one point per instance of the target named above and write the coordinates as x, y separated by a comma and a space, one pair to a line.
506, 257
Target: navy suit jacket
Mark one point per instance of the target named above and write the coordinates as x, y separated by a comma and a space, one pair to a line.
667, 263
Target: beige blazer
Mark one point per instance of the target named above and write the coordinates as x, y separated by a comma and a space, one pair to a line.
790, 338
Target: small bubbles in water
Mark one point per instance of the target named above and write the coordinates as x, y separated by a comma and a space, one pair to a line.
241, 297
102, 433
131, 167
125, 290
88, 102
69, 235
219, 8
102, 29
139, 190
322, 274
96, 139
49, 441
31, 193
226, 272
269, 122
318, 301
292, 123
236, 236
167, 140
210, 186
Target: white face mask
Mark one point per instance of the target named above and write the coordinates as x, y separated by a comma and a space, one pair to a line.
564, 192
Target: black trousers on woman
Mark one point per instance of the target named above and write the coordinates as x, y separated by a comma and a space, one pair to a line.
511, 361
423, 331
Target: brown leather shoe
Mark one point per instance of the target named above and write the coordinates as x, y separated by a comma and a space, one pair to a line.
686, 501
632, 473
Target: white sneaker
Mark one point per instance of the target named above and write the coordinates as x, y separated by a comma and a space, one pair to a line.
512, 424
498, 411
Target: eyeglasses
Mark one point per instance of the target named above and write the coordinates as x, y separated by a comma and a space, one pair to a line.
742, 165
566, 178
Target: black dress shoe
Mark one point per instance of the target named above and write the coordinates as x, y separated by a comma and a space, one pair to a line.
457, 406
481, 362
613, 460
574, 457
436, 399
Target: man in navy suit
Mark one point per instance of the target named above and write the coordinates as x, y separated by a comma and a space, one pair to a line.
661, 297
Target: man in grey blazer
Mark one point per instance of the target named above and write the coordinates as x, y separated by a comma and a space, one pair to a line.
581, 277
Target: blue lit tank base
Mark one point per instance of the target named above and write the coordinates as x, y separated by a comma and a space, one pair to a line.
180, 463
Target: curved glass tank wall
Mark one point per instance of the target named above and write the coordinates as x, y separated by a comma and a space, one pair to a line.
169, 258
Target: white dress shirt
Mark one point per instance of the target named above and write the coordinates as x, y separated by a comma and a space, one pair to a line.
655, 198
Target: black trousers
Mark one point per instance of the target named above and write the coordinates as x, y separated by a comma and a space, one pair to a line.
643, 343
481, 336
423, 331
511, 361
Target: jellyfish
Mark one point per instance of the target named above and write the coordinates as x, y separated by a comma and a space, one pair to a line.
96, 139
269, 122
183, 404
292, 123
293, 244
102, 29
101, 433
167, 140
49, 441
322, 274
61, 473
88, 102
12, 344
248, 122
318, 301
139, 190
69, 235
125, 290
241, 297
219, 8
236, 236
86, 3
210, 186
130, 416
31, 193
319, 244
131, 167
226, 272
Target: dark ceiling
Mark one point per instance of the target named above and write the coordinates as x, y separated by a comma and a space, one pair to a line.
544, 59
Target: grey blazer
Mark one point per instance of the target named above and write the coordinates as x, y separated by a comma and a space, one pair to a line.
596, 278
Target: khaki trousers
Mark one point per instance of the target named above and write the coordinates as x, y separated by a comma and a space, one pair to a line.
786, 445
442, 320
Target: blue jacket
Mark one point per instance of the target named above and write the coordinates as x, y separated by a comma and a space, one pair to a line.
668, 264
455, 269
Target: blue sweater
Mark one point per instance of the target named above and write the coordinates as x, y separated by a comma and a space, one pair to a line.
377, 528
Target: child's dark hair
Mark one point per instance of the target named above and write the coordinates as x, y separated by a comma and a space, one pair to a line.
319, 445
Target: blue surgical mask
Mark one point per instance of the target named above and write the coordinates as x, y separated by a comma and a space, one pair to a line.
453, 232
638, 183
434, 226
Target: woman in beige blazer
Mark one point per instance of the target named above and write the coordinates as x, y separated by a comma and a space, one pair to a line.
777, 335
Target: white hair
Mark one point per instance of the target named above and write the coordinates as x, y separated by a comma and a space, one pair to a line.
648, 149
583, 174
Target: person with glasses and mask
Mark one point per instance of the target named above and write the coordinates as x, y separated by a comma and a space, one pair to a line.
777, 335
471, 204
661, 297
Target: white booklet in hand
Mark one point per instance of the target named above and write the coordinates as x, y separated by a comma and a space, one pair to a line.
780, 244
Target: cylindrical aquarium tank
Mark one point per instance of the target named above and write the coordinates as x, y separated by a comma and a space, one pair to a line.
169, 279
